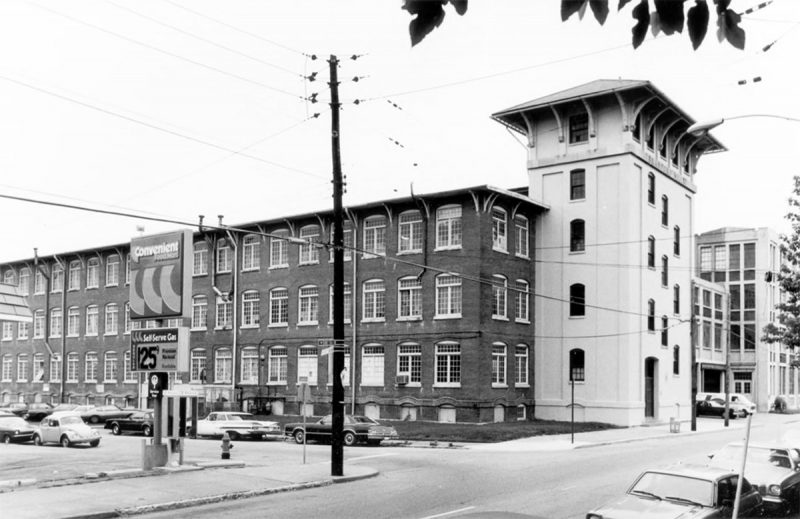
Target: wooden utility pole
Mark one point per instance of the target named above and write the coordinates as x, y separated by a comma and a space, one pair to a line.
337, 405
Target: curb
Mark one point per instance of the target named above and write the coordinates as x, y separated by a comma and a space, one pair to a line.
230, 496
657, 437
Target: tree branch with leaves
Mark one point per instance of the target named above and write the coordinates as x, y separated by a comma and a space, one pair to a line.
668, 16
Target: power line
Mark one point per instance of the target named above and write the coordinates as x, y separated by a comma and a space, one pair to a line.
302, 241
159, 128
205, 40
166, 52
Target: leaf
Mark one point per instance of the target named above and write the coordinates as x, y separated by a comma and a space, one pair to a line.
428, 16
570, 7
728, 29
670, 15
697, 23
622, 3
641, 13
460, 6
600, 10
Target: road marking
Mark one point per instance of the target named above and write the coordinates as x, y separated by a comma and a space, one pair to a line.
372, 456
449, 513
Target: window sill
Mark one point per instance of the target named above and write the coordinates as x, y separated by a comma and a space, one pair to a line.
278, 325
7, 339
372, 256
446, 316
522, 321
577, 317
308, 323
110, 334
447, 247
441, 384
94, 287
499, 386
409, 252
346, 321
410, 318
203, 329
223, 272
306, 263
199, 274
576, 252
86, 335
522, 386
252, 269
374, 320
523, 256
499, 318
114, 285
223, 328
277, 383
249, 327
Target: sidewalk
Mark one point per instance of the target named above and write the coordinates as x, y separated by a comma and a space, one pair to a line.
201, 481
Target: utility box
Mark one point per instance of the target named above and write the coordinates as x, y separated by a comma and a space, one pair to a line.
674, 425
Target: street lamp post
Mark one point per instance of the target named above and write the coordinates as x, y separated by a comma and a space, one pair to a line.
702, 127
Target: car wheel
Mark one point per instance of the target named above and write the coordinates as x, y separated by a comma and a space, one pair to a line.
115, 430
94, 443
146, 430
64, 441
349, 438
94, 419
37, 440
6, 439
233, 435
299, 436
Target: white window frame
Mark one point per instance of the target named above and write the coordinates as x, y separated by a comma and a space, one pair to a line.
74, 279
112, 270
308, 364
197, 366
127, 372
56, 322
223, 366
8, 368
8, 330
448, 286
92, 273
449, 227
111, 320
522, 299
55, 367
279, 250
224, 263
499, 365
348, 304
409, 299
200, 259
73, 321
409, 362
92, 321
499, 230
278, 366
374, 237
73, 361
90, 366
251, 253
39, 282
223, 309
199, 312
281, 304
522, 237
309, 252
249, 366
499, 297
56, 278
37, 368
410, 232
448, 362
38, 324
374, 301
24, 281
372, 365
110, 367
22, 367
23, 331
308, 305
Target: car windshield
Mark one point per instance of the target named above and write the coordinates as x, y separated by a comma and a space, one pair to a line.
12, 421
71, 420
232, 418
364, 419
758, 455
674, 486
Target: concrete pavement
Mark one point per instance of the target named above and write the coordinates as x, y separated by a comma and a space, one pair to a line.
202, 481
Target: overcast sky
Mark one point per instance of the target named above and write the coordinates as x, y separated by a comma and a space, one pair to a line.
176, 108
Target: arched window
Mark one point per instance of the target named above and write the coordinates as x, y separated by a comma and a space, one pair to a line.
651, 251
664, 210
664, 330
499, 229
249, 366
676, 299
223, 366
279, 306
251, 309
251, 253
676, 240
25, 281
374, 300
577, 300
279, 249
448, 227
577, 368
521, 234
409, 235
577, 236
199, 312
521, 365
664, 270
93, 273
375, 236
224, 256
308, 305
307, 364
499, 297
676, 360
278, 365
8, 277
651, 316
74, 282
309, 253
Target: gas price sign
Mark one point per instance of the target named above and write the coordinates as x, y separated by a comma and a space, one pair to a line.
160, 349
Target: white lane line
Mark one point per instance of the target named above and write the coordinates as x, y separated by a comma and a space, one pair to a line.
449, 513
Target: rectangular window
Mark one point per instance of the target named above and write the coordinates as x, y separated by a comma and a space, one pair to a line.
74, 275
112, 271
448, 296
579, 128
577, 184
127, 374
112, 319
8, 330
200, 260
251, 257
375, 236
251, 309
308, 305
198, 366
410, 232
91, 367
224, 257
372, 365
651, 189
38, 324
278, 250
448, 227
22, 368
57, 279
409, 362
72, 367
23, 330
92, 320
110, 367
409, 298
249, 363
374, 300
55, 368
521, 362
499, 297
522, 300
521, 235
223, 365
499, 365
224, 313
73, 322
8, 367
93, 273
278, 365
199, 312
39, 283
309, 253
56, 322
448, 364
499, 230
279, 307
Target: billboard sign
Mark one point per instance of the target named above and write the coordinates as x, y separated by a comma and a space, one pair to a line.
161, 275
160, 349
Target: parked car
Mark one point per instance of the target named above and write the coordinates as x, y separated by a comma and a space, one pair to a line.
685, 492
64, 407
102, 413
139, 421
16, 408
356, 429
37, 411
66, 428
772, 467
15, 429
716, 407
736, 398
237, 425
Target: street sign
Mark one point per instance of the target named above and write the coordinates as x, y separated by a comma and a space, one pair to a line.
160, 349
178, 391
156, 384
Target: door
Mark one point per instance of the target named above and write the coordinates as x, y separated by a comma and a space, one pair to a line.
649, 387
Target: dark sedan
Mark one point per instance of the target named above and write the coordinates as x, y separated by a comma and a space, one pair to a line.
716, 407
356, 429
17, 408
37, 411
15, 429
139, 422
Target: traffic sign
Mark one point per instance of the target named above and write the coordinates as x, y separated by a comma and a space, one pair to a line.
156, 384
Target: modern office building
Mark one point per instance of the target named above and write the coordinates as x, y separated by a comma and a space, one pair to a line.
438, 313
746, 262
